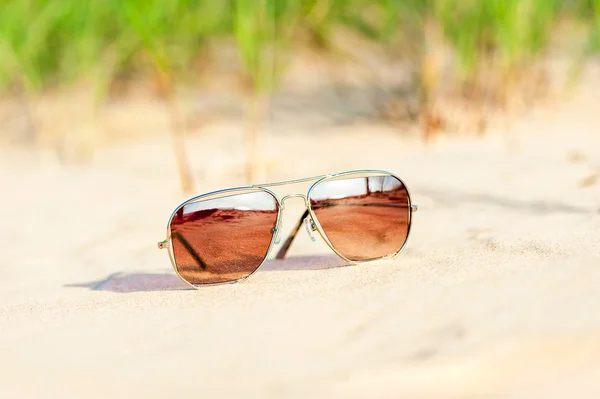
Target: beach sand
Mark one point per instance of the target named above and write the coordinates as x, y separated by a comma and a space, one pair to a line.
496, 294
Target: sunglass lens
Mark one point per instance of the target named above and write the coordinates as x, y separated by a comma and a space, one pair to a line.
223, 239
364, 218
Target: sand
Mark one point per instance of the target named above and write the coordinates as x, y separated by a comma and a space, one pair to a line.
496, 294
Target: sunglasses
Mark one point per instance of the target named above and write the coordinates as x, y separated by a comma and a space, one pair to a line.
226, 235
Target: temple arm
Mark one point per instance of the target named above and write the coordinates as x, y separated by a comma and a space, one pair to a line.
179, 237
288, 241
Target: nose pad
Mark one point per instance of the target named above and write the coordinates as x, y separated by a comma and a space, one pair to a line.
310, 227
277, 231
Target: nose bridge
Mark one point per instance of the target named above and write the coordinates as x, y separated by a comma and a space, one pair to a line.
303, 196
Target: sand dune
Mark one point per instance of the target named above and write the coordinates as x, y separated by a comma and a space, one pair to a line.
496, 294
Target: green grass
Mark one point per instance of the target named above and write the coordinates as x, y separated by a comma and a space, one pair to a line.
48, 43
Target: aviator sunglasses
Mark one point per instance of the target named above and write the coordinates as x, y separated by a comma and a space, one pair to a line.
226, 235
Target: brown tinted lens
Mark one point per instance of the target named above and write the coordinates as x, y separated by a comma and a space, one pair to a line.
223, 239
364, 218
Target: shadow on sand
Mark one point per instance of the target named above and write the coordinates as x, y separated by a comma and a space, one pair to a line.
143, 282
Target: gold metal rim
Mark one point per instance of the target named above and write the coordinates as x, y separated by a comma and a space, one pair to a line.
350, 173
217, 194
168, 243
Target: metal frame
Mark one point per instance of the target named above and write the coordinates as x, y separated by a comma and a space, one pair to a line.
168, 242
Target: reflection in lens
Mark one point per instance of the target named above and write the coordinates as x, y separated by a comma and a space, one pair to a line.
223, 239
364, 218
